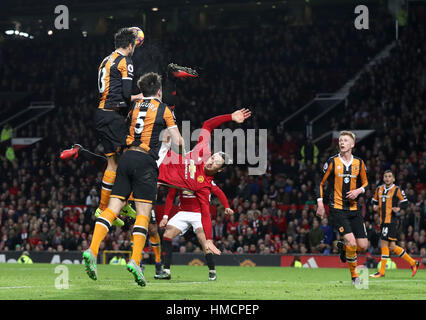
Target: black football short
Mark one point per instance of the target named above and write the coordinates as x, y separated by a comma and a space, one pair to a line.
137, 172
346, 221
388, 232
111, 130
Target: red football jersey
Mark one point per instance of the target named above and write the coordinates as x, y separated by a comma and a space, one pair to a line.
189, 202
188, 173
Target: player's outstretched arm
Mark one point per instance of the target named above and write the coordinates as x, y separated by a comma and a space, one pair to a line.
177, 139
168, 206
222, 198
202, 146
203, 197
240, 115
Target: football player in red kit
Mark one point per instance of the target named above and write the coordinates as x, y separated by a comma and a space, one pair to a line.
189, 215
195, 170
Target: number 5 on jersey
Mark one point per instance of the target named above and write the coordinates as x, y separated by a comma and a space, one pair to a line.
140, 122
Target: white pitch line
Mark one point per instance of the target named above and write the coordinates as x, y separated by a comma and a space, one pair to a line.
377, 281
162, 283
26, 287
18, 287
413, 280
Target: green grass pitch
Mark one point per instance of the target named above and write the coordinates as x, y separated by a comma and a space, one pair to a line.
37, 281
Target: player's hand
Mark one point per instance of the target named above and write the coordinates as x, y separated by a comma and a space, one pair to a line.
240, 115
229, 211
210, 246
136, 97
321, 211
396, 209
353, 194
163, 222
375, 207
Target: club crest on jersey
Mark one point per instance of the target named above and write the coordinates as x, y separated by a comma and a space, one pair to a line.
200, 179
346, 180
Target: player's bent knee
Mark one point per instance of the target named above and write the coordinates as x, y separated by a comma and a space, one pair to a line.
351, 244
116, 204
363, 248
362, 245
112, 164
171, 232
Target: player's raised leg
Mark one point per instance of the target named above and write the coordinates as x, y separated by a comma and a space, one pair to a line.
180, 72
108, 179
78, 151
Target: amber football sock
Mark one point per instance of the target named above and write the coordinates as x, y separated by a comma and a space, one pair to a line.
107, 183
351, 258
156, 247
102, 226
385, 257
404, 255
140, 230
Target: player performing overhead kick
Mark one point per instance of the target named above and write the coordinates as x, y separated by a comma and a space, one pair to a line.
195, 171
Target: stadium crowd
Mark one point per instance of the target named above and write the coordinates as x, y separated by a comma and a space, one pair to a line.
275, 212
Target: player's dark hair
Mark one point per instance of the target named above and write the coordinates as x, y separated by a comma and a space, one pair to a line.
149, 84
227, 161
124, 37
388, 171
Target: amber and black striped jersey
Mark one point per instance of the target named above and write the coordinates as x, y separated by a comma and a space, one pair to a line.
115, 76
148, 118
342, 178
386, 198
